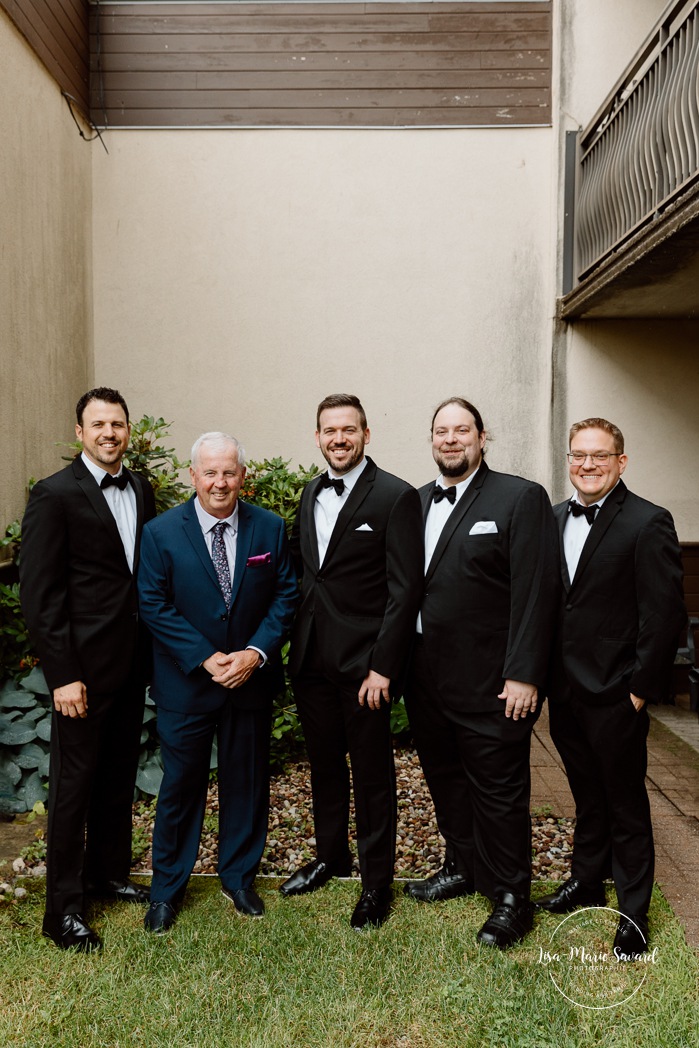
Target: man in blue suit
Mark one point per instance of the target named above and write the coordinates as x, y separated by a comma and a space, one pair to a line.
217, 590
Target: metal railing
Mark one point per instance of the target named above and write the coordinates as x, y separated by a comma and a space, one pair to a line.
641, 150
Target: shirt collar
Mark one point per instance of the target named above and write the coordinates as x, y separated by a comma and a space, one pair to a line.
350, 478
207, 522
97, 472
599, 502
460, 487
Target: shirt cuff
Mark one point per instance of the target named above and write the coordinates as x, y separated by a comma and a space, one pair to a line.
251, 647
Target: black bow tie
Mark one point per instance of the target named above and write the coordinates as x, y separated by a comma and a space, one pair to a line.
326, 481
439, 493
120, 482
590, 512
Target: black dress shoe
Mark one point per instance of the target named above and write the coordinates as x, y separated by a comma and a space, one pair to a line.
246, 901
508, 923
571, 894
160, 916
71, 931
372, 909
120, 891
313, 876
447, 883
631, 937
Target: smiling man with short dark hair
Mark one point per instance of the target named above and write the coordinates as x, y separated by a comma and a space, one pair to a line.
80, 541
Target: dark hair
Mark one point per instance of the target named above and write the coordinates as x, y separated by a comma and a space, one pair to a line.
341, 400
109, 396
466, 405
599, 423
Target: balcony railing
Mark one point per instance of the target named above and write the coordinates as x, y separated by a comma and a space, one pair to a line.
641, 151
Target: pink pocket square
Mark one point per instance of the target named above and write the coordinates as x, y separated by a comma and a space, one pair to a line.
255, 562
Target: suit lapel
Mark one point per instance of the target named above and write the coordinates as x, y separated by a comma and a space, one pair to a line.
359, 492
456, 516
140, 511
92, 492
561, 512
599, 529
192, 528
242, 547
309, 536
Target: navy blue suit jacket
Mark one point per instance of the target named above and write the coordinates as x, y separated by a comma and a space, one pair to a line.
182, 604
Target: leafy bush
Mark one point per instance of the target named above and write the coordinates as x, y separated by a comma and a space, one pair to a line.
25, 730
272, 485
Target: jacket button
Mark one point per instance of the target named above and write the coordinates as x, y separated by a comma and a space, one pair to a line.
223, 618
569, 607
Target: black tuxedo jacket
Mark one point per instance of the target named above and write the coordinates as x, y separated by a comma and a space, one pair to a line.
77, 591
620, 618
363, 600
490, 598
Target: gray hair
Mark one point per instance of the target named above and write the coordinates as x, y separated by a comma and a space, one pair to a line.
218, 442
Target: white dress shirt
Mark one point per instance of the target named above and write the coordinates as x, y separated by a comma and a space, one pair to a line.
328, 505
122, 505
437, 516
575, 534
230, 534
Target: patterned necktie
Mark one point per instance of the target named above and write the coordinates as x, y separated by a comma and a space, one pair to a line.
120, 482
439, 493
578, 510
218, 555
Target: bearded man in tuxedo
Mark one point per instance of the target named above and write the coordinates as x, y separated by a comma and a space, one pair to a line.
357, 544
480, 658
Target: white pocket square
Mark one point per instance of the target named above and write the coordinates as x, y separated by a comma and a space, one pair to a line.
364, 527
484, 527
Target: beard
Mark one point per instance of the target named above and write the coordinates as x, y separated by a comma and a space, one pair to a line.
452, 467
354, 458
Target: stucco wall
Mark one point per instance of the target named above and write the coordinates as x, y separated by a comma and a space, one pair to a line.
45, 308
240, 276
644, 376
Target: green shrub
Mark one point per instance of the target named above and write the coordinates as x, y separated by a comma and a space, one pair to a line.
25, 730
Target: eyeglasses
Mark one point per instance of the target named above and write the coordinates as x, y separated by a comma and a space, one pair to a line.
600, 458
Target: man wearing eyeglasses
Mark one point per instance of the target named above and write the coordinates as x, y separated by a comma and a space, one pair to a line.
621, 612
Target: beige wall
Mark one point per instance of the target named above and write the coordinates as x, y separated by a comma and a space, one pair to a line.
45, 308
241, 275
644, 376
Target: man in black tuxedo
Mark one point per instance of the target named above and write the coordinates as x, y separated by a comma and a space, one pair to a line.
80, 542
621, 612
357, 544
481, 655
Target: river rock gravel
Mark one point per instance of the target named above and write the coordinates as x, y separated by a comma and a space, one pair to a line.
419, 850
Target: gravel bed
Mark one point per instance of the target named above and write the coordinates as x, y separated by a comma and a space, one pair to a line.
290, 841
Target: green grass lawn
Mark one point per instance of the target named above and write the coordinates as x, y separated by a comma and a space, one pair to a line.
302, 977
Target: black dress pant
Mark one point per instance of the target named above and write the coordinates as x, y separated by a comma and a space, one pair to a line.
334, 725
92, 773
604, 752
477, 769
